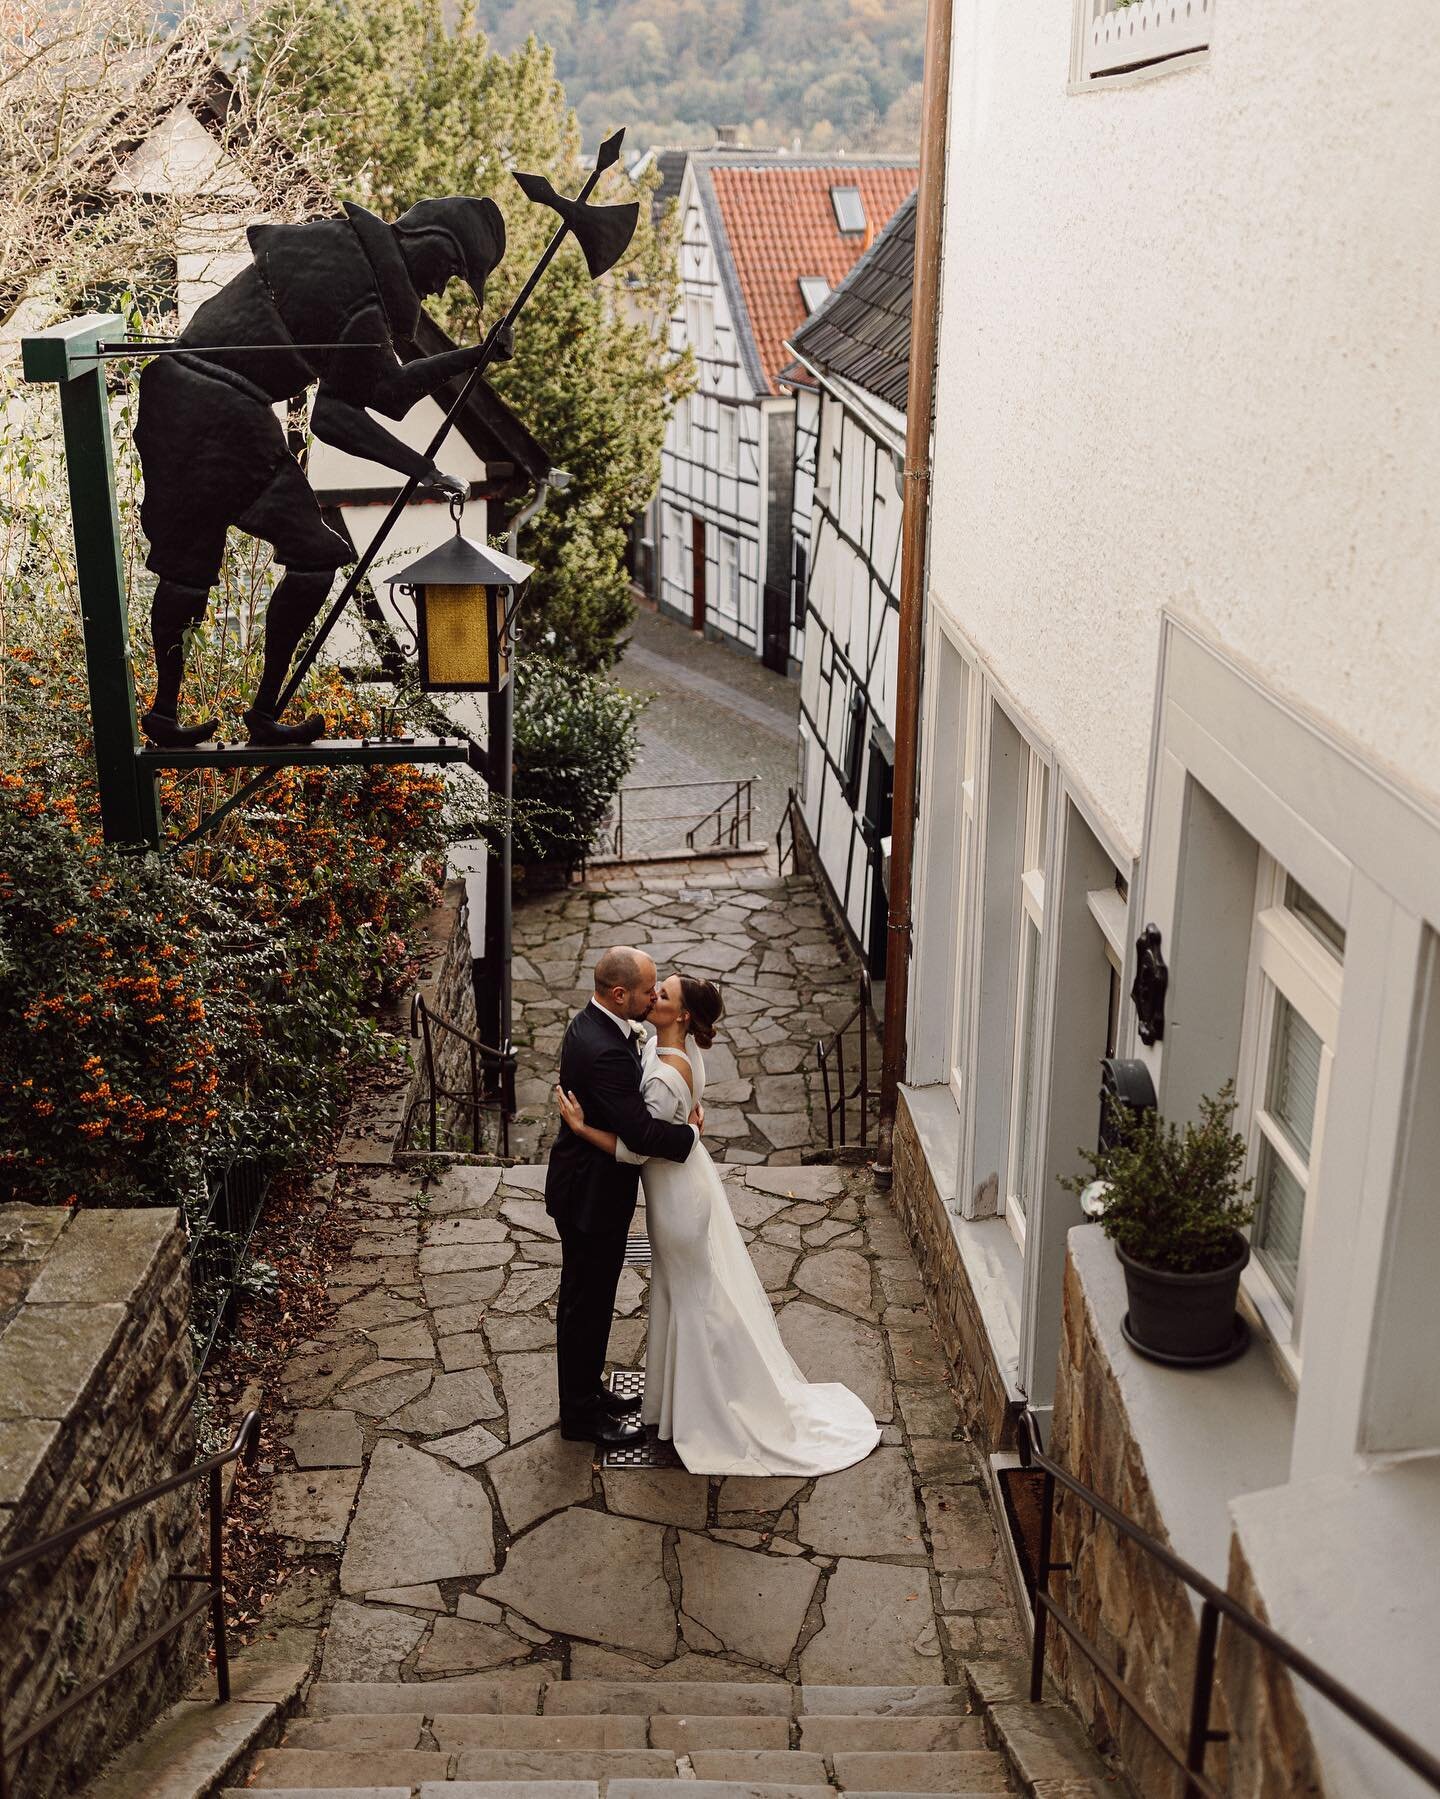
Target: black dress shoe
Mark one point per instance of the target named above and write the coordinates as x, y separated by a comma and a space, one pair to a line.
169, 734
263, 728
617, 1405
607, 1432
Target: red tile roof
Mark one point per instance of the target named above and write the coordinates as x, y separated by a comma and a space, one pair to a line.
780, 223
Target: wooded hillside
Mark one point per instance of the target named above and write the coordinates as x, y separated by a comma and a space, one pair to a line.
837, 74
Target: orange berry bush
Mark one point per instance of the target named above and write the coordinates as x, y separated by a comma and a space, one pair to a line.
161, 1014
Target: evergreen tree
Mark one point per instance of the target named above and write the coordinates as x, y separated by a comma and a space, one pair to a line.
409, 108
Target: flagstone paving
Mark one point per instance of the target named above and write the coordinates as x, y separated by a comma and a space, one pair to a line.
455, 1532
788, 977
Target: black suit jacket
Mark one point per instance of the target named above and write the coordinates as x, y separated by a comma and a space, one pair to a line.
584, 1188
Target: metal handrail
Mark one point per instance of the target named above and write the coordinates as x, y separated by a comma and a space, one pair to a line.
1217, 1604
499, 1062
731, 797
245, 1443
742, 800
787, 817
832, 1049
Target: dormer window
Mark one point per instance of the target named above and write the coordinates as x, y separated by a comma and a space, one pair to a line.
814, 290
849, 210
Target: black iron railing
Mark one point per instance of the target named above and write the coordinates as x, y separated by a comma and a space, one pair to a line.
491, 1087
785, 851
220, 1250
730, 818
244, 1443
830, 1054
729, 822
1215, 1605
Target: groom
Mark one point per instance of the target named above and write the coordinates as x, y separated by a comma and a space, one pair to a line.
591, 1196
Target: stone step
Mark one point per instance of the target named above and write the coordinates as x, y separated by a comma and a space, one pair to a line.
453, 1731
757, 1767
682, 1698
825, 1734
939, 1771
520, 1789
463, 1693
883, 1702
684, 1734
566, 1764
694, 1789
308, 1769
706, 1789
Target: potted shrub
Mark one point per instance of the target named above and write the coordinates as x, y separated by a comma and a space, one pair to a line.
1175, 1207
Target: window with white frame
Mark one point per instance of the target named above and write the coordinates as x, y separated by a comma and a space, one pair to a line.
729, 440
1292, 1017
1117, 37
682, 426
729, 575
1030, 917
703, 326
969, 742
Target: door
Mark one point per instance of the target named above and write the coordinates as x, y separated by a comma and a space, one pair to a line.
697, 574
776, 642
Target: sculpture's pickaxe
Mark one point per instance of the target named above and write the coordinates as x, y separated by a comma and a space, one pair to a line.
603, 234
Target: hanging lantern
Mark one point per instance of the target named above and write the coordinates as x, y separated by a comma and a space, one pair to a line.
465, 596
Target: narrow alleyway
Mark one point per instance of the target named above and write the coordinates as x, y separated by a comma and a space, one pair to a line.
714, 716
788, 974
433, 1509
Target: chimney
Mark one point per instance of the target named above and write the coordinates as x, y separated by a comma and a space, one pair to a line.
727, 137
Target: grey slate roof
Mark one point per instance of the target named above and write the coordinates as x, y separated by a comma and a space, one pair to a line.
862, 331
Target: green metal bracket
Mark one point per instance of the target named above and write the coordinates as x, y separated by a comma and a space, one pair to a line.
66, 355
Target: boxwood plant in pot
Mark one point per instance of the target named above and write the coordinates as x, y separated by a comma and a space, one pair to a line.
1176, 1206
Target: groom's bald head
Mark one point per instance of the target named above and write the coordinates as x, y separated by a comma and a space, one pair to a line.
625, 981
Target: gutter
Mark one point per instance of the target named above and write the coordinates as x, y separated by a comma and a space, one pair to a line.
914, 533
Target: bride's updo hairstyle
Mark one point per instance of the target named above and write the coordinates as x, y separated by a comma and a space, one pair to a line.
701, 999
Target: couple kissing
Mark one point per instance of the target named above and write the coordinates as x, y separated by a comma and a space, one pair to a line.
719, 1382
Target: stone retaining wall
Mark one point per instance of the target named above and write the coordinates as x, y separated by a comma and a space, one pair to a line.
1140, 1617
947, 1288
95, 1372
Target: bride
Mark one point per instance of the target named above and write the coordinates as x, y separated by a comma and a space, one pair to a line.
719, 1382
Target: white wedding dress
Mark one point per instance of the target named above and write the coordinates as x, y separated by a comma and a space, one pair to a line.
719, 1382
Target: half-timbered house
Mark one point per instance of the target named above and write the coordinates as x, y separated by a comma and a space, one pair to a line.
764, 238
849, 381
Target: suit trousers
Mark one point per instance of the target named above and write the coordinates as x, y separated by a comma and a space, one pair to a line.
589, 1275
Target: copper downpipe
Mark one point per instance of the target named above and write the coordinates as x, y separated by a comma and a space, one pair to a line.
914, 534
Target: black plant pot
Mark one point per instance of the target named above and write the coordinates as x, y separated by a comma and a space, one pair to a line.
1185, 1320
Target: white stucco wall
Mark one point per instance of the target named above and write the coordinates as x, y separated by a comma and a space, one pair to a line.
1189, 356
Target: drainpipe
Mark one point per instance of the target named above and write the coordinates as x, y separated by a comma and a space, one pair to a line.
493, 1000
914, 532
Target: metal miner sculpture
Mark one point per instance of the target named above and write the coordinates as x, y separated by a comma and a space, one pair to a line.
320, 302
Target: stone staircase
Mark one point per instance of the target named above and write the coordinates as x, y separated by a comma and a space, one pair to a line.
480, 1737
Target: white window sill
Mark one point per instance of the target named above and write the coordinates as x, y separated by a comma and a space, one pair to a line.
988, 1251
1348, 1568
1152, 71
1206, 1436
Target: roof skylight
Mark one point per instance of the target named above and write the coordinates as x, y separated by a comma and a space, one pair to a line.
814, 289
849, 208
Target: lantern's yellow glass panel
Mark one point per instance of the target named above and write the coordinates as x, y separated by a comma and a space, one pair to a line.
457, 638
